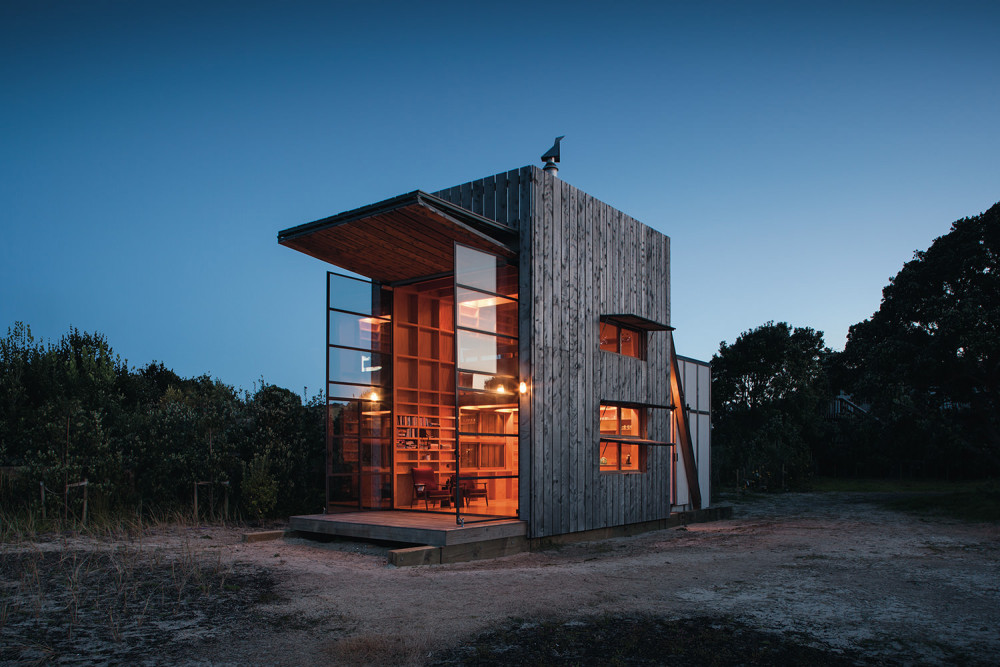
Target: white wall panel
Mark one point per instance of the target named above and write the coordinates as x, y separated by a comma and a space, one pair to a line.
704, 388
705, 457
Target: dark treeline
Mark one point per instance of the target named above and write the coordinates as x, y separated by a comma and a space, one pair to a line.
915, 393
142, 437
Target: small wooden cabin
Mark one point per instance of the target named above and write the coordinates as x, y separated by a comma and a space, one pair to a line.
506, 353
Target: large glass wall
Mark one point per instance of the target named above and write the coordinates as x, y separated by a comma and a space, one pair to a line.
424, 391
422, 385
487, 384
359, 433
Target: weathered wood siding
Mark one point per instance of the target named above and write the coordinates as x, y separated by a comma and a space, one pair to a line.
580, 259
505, 198
584, 259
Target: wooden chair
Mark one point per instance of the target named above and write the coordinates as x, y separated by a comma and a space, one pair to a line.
425, 485
473, 488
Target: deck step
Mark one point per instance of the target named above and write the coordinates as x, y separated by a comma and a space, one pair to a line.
417, 528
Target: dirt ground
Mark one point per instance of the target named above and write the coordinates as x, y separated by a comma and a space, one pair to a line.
836, 572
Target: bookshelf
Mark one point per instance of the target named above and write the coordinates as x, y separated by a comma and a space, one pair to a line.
424, 384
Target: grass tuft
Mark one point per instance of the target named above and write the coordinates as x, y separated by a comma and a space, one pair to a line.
114, 604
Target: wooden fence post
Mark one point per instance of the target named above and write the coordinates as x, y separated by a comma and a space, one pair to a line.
74, 485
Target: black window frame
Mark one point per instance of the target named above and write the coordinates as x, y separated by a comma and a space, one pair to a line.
640, 334
617, 439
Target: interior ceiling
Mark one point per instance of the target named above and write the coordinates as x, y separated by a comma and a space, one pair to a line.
409, 237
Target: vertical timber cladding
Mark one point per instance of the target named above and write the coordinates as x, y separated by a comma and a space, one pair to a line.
504, 198
584, 259
579, 259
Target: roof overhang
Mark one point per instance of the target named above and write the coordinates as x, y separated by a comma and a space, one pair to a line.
637, 322
406, 237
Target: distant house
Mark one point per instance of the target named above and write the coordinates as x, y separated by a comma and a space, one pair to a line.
507, 355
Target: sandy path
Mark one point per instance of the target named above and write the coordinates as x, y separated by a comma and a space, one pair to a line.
835, 570
834, 567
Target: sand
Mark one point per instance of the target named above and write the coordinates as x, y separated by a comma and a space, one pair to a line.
837, 571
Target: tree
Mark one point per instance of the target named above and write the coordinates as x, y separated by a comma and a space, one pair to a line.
768, 391
929, 359
291, 437
259, 488
74, 410
61, 408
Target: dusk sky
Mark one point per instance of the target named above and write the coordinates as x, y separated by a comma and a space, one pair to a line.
796, 153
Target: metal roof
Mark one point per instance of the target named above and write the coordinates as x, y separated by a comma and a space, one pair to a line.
637, 322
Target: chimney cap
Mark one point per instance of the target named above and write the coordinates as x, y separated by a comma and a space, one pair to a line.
551, 156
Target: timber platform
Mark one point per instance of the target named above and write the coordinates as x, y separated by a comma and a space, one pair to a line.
438, 530
439, 539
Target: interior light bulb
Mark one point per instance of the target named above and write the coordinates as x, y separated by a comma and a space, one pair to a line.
523, 388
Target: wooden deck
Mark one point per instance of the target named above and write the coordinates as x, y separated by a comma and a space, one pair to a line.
437, 530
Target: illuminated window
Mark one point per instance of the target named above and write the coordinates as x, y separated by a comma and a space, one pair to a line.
620, 426
623, 340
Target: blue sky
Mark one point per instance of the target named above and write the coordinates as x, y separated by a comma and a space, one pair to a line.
796, 153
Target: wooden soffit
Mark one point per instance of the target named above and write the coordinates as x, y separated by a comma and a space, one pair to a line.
406, 237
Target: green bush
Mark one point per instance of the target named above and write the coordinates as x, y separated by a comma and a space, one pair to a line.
73, 410
259, 488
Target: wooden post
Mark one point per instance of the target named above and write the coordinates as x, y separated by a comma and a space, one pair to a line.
225, 506
42, 486
683, 428
196, 502
84, 484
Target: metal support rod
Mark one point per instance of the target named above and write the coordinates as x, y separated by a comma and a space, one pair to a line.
459, 521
